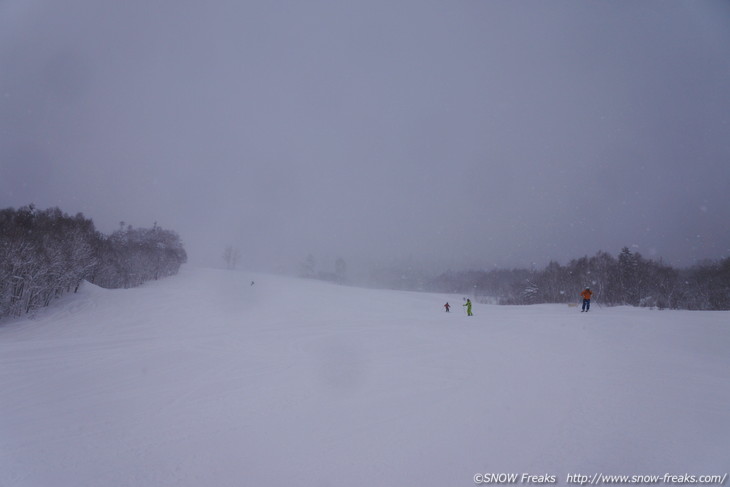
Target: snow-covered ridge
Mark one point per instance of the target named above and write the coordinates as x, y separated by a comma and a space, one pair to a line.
205, 379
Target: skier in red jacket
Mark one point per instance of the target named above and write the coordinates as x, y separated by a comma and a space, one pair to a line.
586, 299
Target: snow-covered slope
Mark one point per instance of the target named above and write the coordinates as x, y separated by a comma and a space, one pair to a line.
203, 379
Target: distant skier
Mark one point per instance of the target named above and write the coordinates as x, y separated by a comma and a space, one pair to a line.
586, 299
468, 307
447, 306
252, 283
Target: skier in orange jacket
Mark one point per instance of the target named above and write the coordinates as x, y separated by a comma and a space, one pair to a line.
586, 299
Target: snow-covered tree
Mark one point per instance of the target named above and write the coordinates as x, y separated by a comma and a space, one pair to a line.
231, 256
45, 253
341, 270
308, 268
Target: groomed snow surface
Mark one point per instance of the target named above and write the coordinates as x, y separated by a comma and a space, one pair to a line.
205, 380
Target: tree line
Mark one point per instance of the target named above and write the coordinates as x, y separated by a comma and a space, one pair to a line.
627, 279
46, 253
308, 270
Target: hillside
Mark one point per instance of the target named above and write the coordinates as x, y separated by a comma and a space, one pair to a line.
204, 379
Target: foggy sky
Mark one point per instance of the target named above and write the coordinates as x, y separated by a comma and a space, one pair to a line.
455, 133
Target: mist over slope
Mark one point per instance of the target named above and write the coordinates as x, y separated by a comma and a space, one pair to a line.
206, 379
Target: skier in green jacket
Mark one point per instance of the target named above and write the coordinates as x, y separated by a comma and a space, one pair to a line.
468, 307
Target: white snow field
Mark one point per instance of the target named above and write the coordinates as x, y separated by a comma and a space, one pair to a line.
205, 380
